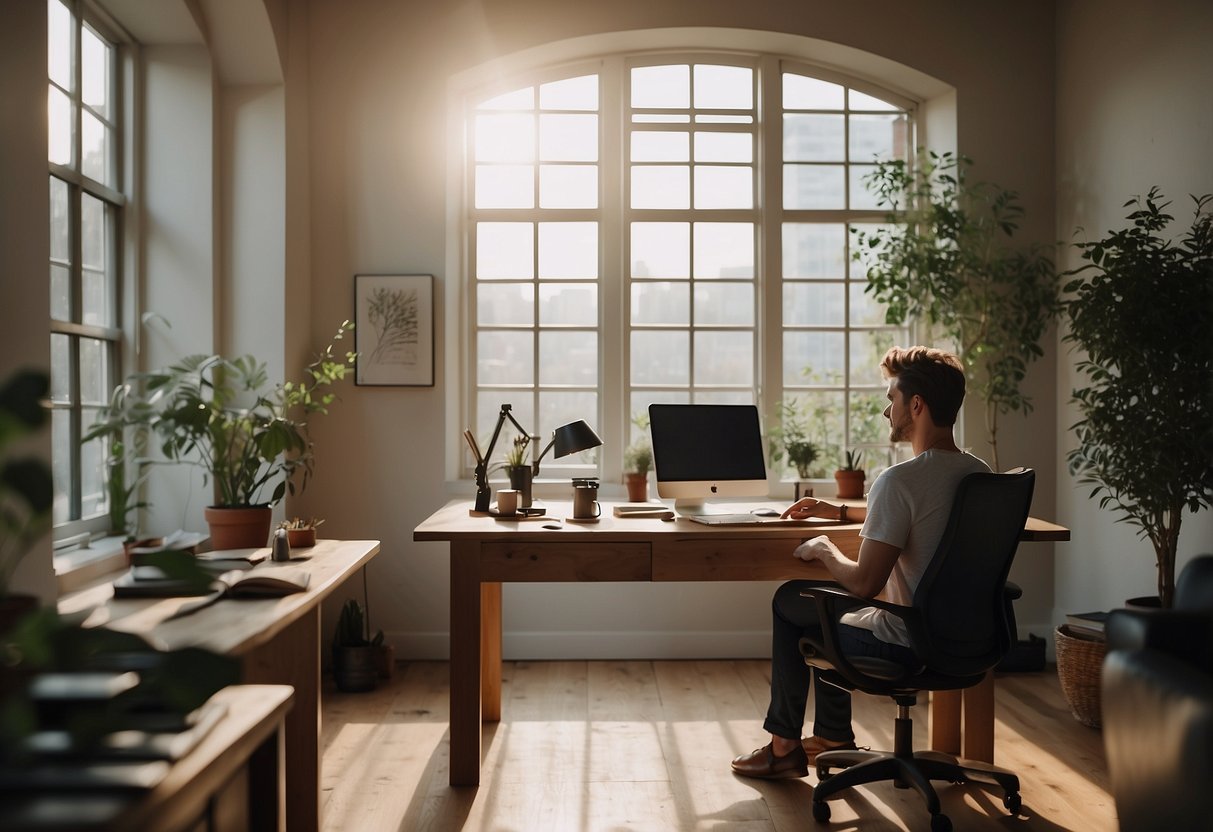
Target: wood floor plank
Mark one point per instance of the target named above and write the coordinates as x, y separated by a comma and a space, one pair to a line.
613, 746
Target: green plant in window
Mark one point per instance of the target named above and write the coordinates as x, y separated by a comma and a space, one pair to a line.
26, 487
946, 259
788, 438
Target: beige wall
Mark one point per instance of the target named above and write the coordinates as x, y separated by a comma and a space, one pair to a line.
1135, 109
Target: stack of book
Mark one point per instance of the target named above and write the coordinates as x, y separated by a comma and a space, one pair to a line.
1089, 624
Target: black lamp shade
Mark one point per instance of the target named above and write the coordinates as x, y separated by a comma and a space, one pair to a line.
574, 437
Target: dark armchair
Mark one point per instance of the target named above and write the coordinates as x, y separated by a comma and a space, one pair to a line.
960, 626
1157, 702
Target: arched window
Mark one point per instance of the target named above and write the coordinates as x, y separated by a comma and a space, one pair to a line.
676, 228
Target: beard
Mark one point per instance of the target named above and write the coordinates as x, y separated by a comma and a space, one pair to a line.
900, 431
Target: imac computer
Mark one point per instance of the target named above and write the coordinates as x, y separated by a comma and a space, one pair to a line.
701, 451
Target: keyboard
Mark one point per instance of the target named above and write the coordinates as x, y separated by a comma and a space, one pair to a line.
748, 519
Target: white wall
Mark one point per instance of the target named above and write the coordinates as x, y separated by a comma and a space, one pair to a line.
1135, 109
378, 82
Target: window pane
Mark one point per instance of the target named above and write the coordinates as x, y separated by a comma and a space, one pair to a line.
560, 407
722, 118
878, 137
505, 186
660, 357
60, 241
94, 70
724, 304
724, 358
724, 249
59, 137
801, 93
813, 357
661, 303
813, 304
865, 311
724, 187
814, 138
94, 372
661, 118
660, 146
861, 101
865, 255
661, 186
523, 99
867, 348
503, 304
92, 232
505, 138
813, 186
505, 250
866, 419
568, 138
59, 44
568, 186
60, 290
505, 358
60, 369
61, 465
661, 249
568, 304
827, 423
570, 94
724, 147
861, 197
94, 148
92, 475
568, 358
95, 299
661, 86
814, 250
724, 87
568, 250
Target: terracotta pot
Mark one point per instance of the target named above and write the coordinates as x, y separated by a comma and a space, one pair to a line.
301, 538
638, 487
850, 483
247, 527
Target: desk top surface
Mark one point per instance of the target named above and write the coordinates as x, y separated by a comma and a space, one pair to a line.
455, 521
230, 626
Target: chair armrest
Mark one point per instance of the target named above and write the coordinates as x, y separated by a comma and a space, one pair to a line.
833, 601
1185, 634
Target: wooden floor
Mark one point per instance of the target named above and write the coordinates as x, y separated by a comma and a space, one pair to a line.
610, 746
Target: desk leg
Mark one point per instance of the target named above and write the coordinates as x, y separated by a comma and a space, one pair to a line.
465, 663
945, 721
979, 721
293, 658
490, 652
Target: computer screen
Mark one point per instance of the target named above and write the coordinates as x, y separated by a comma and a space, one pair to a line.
701, 451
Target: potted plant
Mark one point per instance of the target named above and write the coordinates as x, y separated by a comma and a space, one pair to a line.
1141, 312
637, 462
945, 259
354, 667
26, 486
301, 533
518, 469
850, 476
788, 439
222, 415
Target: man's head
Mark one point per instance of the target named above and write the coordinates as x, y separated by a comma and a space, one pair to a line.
935, 376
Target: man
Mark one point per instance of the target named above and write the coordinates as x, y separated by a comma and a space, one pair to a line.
907, 510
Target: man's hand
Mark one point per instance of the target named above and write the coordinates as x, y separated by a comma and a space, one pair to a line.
807, 507
817, 548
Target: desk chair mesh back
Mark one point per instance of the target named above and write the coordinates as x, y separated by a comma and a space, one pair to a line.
960, 626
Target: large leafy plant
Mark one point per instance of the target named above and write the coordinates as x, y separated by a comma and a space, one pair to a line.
26, 487
1141, 311
247, 436
946, 259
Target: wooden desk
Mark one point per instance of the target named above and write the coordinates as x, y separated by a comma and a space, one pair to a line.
277, 640
486, 552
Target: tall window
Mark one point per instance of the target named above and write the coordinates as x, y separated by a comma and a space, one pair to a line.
85, 215
677, 228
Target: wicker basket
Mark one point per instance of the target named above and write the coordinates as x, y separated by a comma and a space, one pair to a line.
1079, 659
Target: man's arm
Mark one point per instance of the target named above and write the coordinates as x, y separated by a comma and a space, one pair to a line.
807, 507
865, 576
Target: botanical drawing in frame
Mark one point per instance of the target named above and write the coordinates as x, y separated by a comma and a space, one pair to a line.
394, 332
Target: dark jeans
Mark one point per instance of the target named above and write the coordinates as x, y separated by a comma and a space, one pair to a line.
792, 618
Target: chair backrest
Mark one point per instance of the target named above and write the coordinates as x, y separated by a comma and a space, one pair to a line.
1194, 588
961, 595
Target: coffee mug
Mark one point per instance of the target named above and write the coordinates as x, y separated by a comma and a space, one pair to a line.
507, 501
585, 502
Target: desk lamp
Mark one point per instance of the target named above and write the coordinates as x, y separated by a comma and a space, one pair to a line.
566, 439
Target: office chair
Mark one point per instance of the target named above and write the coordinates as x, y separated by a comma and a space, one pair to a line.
959, 627
1157, 697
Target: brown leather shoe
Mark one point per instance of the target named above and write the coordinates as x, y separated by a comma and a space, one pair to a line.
815, 745
763, 763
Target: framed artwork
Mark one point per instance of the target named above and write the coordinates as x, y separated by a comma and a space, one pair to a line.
394, 329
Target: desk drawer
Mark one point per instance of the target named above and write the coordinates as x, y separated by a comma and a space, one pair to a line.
517, 561
731, 559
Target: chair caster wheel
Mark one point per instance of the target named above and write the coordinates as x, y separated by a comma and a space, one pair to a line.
821, 811
941, 823
1013, 803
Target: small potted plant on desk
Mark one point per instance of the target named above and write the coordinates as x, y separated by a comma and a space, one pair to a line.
518, 469
789, 439
637, 462
850, 476
301, 533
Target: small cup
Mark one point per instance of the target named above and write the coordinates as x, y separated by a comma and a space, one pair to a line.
585, 502
507, 501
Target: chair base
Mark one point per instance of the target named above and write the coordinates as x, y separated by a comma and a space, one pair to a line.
908, 770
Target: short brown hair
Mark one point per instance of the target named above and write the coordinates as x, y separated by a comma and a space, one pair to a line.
935, 375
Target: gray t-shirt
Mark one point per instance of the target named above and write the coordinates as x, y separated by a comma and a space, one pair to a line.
908, 507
